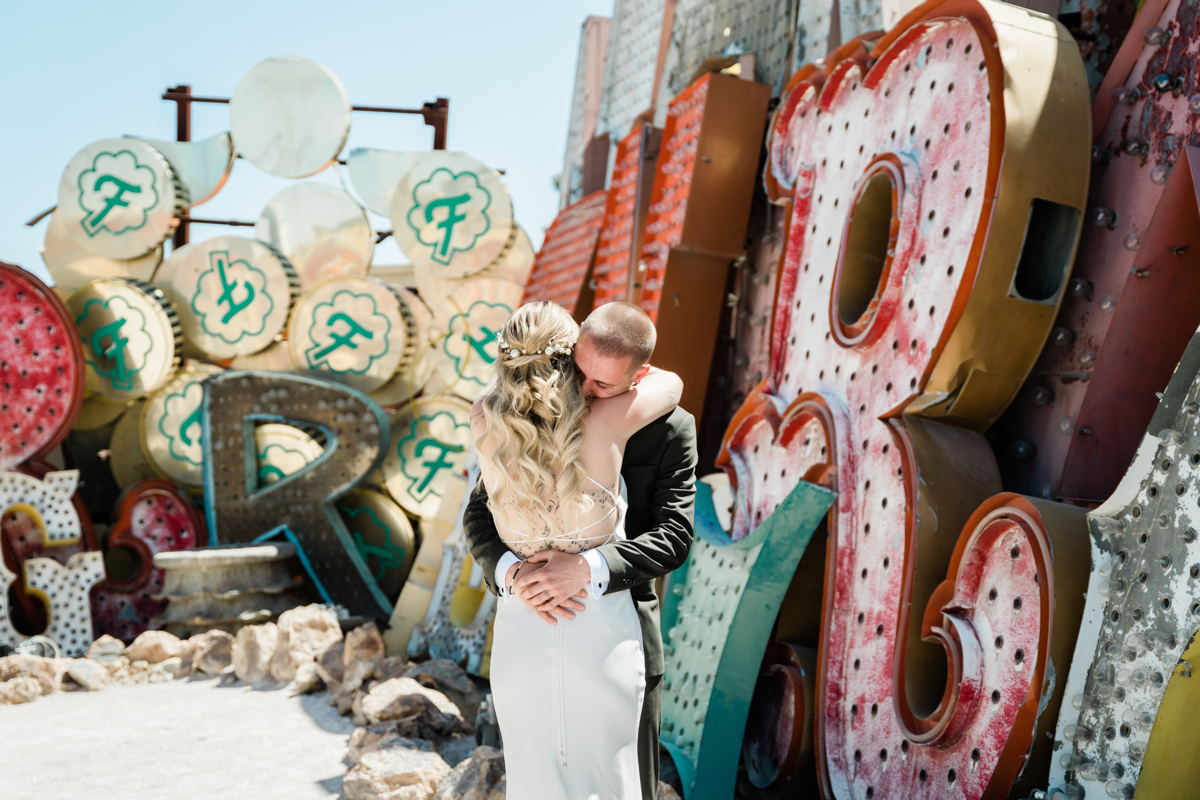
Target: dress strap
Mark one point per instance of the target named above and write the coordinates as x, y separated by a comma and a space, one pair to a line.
619, 506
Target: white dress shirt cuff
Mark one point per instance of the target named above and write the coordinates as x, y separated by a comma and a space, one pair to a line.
506, 561
599, 567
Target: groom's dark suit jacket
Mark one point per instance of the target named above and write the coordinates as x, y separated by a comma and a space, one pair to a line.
659, 470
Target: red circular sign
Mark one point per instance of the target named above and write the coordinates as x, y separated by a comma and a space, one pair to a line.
41, 368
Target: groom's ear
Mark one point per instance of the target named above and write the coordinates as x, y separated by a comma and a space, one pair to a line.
641, 373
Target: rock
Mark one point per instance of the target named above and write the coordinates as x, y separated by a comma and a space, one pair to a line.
118, 664
425, 722
345, 701
362, 656
667, 792
398, 773
368, 740
307, 680
457, 748
214, 653
356, 674
303, 632
106, 649
47, 671
394, 667
24, 689
88, 673
164, 670
155, 646
451, 680
252, 651
474, 778
187, 662
394, 699
500, 790
356, 712
331, 667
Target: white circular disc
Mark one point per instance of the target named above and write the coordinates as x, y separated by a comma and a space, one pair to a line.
472, 319
171, 424
289, 116
72, 266
351, 330
430, 442
320, 229
411, 377
376, 174
118, 197
452, 215
233, 295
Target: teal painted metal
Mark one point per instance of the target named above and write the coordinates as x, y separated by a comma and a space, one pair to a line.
718, 615
284, 532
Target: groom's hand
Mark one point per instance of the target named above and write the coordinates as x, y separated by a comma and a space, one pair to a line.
565, 610
558, 578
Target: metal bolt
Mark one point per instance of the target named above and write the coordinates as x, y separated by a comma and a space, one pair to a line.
1022, 449
1155, 36
1104, 217
1167, 83
1062, 336
1080, 287
1042, 396
1126, 96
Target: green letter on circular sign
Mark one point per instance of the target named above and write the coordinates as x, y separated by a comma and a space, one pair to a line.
449, 212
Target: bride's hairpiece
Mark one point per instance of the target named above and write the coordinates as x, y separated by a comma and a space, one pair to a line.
563, 347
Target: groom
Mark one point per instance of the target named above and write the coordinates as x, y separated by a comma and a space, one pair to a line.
612, 354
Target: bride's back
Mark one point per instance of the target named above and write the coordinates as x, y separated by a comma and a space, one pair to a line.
549, 457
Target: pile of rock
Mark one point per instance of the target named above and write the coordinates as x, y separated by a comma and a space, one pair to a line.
153, 657
414, 738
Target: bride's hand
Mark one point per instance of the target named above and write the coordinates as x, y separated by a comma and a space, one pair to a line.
557, 578
565, 610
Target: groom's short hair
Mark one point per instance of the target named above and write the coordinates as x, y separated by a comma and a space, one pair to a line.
621, 330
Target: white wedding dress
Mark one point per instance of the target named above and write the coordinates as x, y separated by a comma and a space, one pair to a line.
568, 697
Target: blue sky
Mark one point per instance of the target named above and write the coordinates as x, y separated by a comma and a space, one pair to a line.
74, 72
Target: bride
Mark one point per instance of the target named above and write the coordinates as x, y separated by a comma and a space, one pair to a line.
567, 692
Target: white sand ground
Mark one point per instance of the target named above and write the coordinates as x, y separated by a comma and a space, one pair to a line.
181, 740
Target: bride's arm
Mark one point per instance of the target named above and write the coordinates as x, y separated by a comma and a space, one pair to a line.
654, 395
483, 538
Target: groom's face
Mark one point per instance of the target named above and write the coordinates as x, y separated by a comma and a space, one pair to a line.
603, 376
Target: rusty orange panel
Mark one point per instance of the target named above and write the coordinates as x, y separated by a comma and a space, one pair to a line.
704, 179
562, 265
625, 213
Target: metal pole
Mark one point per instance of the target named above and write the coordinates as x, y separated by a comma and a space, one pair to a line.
437, 116
182, 95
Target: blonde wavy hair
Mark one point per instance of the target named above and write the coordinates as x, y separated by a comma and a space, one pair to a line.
534, 410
